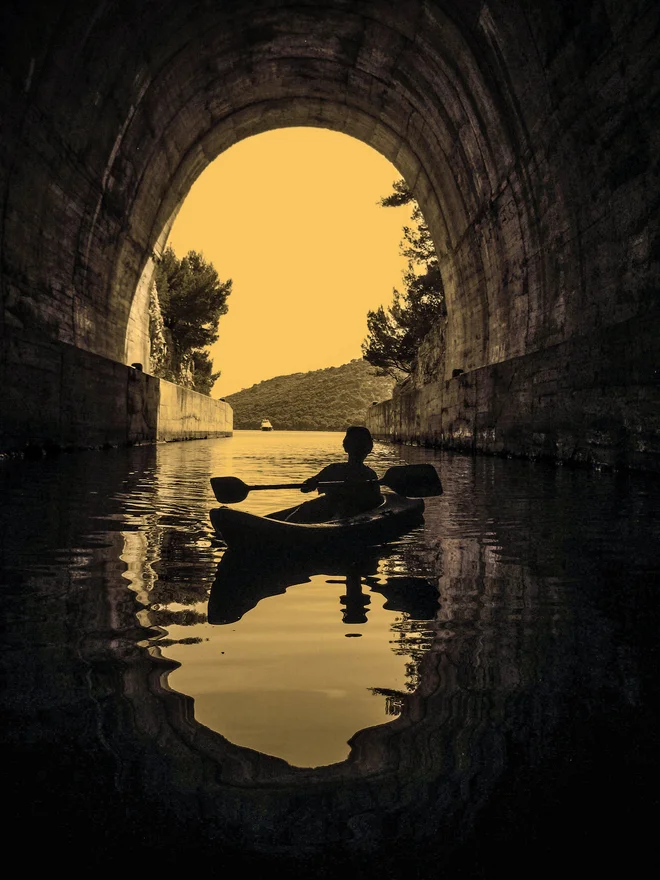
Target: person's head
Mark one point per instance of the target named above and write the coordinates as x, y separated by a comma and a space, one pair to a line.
358, 442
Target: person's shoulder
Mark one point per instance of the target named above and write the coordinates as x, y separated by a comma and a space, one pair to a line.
370, 472
332, 470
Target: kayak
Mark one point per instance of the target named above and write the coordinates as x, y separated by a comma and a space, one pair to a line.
242, 531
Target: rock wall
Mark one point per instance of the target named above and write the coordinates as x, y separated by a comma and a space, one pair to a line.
593, 400
57, 396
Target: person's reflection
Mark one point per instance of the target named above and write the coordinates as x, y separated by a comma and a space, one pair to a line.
417, 597
355, 602
239, 586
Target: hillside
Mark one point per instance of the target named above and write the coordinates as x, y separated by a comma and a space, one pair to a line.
322, 400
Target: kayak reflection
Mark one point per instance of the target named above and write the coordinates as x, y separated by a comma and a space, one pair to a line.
241, 582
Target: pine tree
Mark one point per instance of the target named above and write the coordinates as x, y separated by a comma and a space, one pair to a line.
192, 300
394, 334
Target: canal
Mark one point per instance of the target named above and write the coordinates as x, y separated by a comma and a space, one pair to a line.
482, 691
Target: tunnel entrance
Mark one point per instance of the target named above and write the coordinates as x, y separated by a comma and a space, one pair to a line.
525, 135
407, 83
137, 344
294, 217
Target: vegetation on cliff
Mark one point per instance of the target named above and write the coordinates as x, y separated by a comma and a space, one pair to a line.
187, 301
321, 400
395, 334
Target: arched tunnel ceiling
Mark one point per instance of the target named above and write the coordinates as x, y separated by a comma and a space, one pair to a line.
348, 70
482, 106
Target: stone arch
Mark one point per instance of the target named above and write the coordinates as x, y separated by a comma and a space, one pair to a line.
527, 133
406, 81
257, 120
415, 120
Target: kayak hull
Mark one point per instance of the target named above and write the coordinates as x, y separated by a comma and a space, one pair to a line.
243, 531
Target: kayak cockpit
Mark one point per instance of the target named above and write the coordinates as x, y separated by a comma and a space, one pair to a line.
315, 512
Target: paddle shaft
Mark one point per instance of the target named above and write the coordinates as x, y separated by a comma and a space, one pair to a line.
418, 480
300, 485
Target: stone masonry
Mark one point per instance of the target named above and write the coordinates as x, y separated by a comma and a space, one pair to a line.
528, 132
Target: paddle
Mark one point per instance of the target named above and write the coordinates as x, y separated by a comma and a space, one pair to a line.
410, 480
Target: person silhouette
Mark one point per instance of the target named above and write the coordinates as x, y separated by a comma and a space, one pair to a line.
356, 486
355, 602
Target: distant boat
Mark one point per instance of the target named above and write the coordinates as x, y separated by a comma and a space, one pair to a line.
266, 425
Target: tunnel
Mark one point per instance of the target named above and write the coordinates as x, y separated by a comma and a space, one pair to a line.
527, 131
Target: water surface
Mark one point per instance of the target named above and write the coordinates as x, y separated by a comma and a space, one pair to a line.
403, 705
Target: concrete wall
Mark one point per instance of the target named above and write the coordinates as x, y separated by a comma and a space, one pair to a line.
57, 396
593, 400
187, 415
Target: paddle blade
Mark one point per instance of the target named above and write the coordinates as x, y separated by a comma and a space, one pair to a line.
229, 490
413, 480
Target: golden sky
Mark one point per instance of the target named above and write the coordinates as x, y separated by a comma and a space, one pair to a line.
292, 216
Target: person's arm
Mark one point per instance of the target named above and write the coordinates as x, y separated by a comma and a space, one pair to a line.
328, 474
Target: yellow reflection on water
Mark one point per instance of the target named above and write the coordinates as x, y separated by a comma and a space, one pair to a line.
285, 679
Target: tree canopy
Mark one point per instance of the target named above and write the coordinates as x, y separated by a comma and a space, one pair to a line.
191, 300
394, 334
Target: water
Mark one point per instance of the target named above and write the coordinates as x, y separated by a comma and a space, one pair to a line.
488, 679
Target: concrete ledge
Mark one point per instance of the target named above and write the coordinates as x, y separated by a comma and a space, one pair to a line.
57, 396
593, 400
